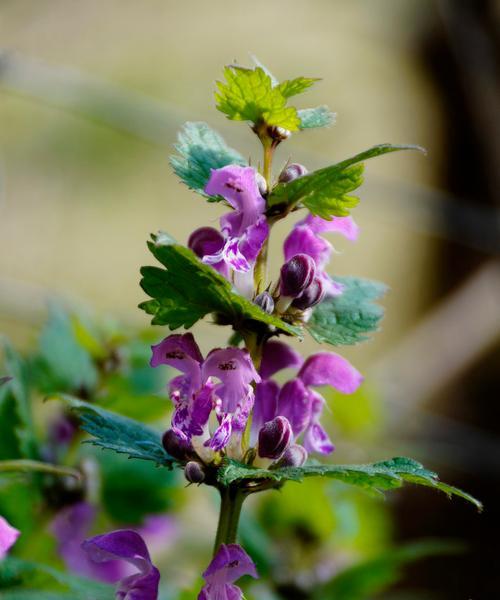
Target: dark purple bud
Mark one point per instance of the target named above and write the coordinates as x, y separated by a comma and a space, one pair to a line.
310, 296
194, 472
266, 302
176, 445
278, 134
274, 438
291, 172
294, 456
296, 275
205, 241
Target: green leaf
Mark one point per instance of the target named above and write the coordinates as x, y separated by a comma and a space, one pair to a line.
17, 433
187, 290
65, 364
311, 118
120, 434
201, 149
326, 192
21, 577
249, 95
292, 87
345, 319
376, 477
370, 577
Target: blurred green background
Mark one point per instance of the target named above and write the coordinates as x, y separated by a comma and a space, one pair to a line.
91, 96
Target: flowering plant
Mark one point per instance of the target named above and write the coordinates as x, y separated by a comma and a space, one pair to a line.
234, 427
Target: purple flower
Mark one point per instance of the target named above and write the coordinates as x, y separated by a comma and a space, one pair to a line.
229, 564
305, 239
243, 231
8, 536
295, 400
128, 546
222, 382
274, 438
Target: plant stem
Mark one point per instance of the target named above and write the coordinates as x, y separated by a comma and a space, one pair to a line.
230, 510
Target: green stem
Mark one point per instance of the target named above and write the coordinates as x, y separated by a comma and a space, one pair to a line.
25, 466
229, 516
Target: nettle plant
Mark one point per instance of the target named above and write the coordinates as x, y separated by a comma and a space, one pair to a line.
234, 427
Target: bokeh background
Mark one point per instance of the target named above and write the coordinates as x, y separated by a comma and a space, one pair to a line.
91, 96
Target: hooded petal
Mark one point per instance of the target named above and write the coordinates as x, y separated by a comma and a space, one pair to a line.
294, 403
128, 546
265, 406
346, 226
328, 368
229, 564
277, 356
237, 185
303, 240
8, 536
182, 353
235, 369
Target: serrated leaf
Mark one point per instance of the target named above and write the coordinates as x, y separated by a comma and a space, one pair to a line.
187, 290
370, 577
249, 95
326, 192
292, 87
375, 477
311, 118
120, 434
346, 319
201, 149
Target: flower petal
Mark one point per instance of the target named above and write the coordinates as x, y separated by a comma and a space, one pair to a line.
303, 240
316, 440
229, 564
8, 536
294, 403
277, 356
265, 406
221, 436
328, 368
346, 226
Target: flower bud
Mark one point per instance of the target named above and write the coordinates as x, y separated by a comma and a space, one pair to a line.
274, 438
261, 184
294, 456
310, 296
291, 172
194, 472
206, 240
176, 444
296, 275
266, 302
278, 134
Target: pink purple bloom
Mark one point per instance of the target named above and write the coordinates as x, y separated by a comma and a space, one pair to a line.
8, 536
129, 547
229, 564
221, 382
295, 400
305, 239
244, 230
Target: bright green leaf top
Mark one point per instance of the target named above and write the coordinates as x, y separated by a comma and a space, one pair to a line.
249, 95
326, 192
292, 87
187, 290
376, 477
201, 149
120, 434
345, 319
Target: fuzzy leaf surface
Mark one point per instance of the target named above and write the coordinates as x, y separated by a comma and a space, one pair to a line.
311, 118
249, 95
120, 434
200, 149
187, 290
346, 319
375, 477
326, 192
